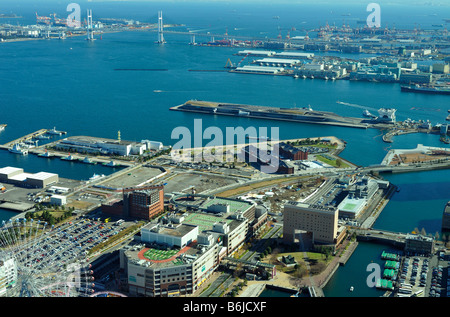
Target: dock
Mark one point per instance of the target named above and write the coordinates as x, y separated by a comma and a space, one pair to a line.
301, 115
31, 136
26, 137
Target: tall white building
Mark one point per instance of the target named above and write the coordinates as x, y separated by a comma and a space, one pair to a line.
8, 274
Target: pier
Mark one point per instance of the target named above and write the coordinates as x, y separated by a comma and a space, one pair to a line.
32, 136
301, 115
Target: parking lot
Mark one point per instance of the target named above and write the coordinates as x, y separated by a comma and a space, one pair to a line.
422, 276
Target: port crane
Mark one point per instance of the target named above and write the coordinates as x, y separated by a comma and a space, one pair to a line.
229, 64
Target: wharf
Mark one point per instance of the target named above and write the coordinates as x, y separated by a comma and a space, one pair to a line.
31, 136
303, 115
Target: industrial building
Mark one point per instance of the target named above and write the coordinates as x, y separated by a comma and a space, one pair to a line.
291, 152
137, 203
294, 55
58, 200
18, 177
91, 145
320, 221
263, 70
260, 53
277, 62
178, 253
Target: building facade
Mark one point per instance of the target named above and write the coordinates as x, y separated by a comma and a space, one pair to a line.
321, 221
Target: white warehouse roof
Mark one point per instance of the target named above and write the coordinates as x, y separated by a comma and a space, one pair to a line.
42, 175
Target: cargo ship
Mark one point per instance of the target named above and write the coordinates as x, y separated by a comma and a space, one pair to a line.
426, 89
303, 115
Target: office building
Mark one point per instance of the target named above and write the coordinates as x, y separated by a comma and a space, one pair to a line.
320, 221
8, 274
137, 203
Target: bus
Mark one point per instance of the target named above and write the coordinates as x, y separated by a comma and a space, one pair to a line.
418, 293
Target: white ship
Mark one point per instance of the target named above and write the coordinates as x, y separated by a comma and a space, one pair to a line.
367, 114
96, 176
387, 115
17, 149
54, 131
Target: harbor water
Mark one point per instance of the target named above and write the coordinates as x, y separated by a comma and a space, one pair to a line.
74, 85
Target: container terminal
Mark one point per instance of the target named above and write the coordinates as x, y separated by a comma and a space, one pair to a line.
303, 115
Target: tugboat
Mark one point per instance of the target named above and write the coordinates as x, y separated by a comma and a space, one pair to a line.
68, 158
45, 154
87, 160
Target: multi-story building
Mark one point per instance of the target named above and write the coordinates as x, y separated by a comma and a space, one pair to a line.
178, 253
320, 221
8, 274
291, 152
419, 244
138, 202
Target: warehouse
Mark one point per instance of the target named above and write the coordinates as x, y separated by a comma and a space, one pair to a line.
278, 62
16, 176
259, 70
41, 179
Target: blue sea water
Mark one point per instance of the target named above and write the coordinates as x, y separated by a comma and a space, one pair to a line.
73, 85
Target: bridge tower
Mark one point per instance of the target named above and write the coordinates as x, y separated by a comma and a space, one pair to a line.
89, 26
160, 29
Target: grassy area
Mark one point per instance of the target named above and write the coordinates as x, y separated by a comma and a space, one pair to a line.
335, 163
317, 262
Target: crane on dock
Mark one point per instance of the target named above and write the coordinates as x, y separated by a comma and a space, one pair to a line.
229, 64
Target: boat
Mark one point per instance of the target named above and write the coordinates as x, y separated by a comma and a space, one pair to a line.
68, 158
54, 131
2, 127
367, 114
351, 288
17, 149
45, 154
110, 163
445, 139
426, 89
42, 137
87, 160
96, 176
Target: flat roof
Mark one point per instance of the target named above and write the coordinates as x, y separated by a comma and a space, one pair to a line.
42, 175
204, 222
235, 205
9, 169
20, 177
261, 68
294, 54
278, 60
